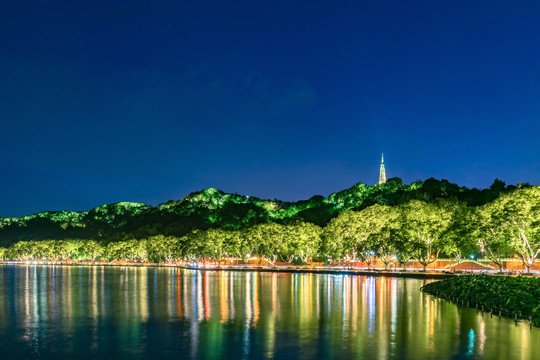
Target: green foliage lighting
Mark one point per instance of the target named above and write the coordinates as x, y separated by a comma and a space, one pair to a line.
390, 221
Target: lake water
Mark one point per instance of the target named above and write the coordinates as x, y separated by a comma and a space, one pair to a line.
125, 312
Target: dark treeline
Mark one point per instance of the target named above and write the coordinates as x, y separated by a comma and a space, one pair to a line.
391, 222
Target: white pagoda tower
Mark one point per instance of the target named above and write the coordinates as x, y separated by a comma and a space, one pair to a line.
382, 173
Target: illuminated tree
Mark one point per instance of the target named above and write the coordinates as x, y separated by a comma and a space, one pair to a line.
268, 240
489, 232
352, 236
304, 240
422, 224
238, 244
162, 248
213, 243
380, 224
127, 250
20, 251
204, 244
460, 237
91, 249
515, 217
65, 248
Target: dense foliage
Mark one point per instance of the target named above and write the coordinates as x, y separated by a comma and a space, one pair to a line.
213, 208
391, 222
510, 295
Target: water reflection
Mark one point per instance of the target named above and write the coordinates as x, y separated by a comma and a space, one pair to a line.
142, 312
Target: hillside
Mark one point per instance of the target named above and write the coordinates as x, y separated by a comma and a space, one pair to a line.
212, 208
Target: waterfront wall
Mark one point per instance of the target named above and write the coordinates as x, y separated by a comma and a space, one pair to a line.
511, 264
508, 264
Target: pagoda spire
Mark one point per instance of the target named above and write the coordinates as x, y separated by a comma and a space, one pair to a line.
382, 173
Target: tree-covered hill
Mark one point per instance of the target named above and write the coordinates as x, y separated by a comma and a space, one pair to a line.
212, 208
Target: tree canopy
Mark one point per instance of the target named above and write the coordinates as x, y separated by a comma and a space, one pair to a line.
390, 222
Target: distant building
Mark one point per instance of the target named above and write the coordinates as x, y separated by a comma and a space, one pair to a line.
382, 173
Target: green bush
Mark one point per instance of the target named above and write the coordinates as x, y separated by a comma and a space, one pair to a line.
510, 295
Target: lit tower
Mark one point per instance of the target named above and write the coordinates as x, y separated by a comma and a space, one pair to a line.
382, 173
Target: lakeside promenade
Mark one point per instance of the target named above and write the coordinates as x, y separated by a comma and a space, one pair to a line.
408, 272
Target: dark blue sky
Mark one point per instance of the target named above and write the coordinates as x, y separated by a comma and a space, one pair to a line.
148, 101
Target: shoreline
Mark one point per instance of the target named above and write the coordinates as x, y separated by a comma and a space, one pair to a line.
376, 273
477, 292
398, 273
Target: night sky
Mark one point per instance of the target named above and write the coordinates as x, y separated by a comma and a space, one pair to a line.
107, 101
